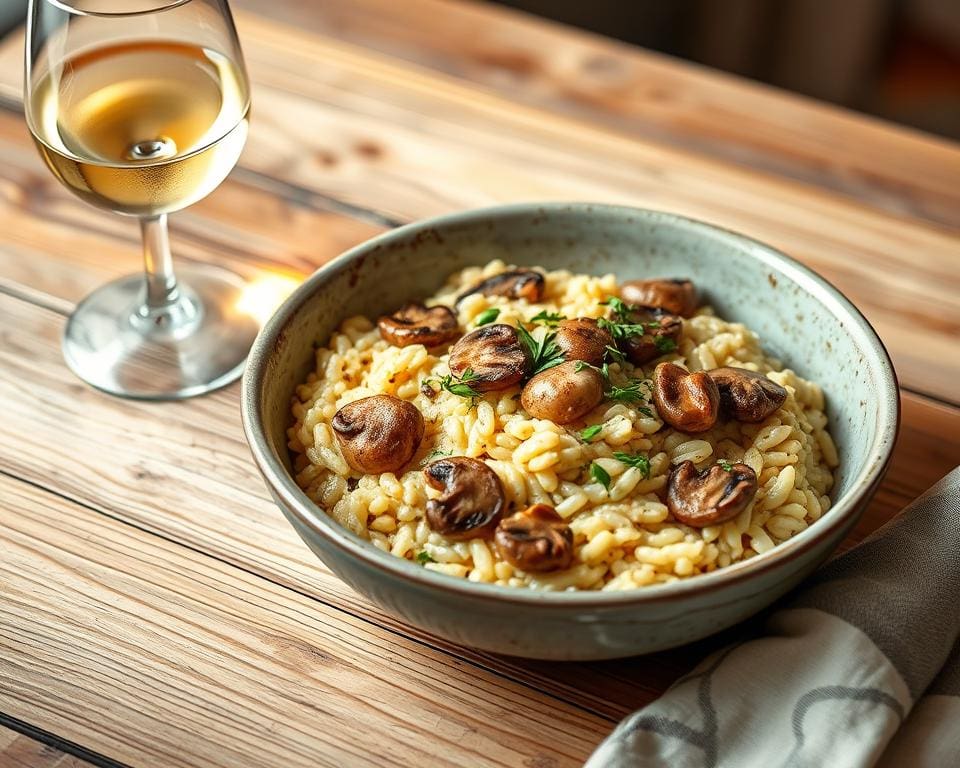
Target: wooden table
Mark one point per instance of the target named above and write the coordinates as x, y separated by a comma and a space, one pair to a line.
155, 607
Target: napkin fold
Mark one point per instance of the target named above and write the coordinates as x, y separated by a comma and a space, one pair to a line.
860, 668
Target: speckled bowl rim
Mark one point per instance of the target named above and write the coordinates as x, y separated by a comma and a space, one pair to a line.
850, 505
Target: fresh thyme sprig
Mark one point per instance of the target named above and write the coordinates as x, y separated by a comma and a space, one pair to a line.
588, 433
638, 460
543, 354
460, 386
622, 327
600, 475
550, 319
632, 392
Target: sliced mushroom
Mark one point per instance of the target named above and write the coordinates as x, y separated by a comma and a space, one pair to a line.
471, 501
686, 401
563, 394
515, 284
661, 334
378, 434
747, 395
583, 339
495, 355
679, 297
712, 496
417, 324
535, 540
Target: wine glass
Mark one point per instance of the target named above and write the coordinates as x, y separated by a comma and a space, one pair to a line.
141, 107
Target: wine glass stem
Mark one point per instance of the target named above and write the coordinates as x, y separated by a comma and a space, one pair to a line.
162, 291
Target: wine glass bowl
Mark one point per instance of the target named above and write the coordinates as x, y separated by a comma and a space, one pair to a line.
141, 107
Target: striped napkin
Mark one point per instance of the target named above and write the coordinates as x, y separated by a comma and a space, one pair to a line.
860, 668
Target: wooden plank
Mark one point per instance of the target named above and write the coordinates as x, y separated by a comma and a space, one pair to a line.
153, 654
648, 96
377, 133
19, 751
187, 476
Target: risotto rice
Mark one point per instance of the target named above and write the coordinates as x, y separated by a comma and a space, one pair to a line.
624, 536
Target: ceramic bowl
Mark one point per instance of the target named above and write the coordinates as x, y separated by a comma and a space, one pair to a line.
800, 318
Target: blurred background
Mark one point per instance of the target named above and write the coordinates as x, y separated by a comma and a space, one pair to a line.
898, 59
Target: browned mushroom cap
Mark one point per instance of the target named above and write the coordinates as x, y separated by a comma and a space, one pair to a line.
495, 355
746, 395
563, 394
662, 332
378, 434
686, 401
535, 540
583, 339
416, 324
515, 284
472, 498
678, 297
712, 496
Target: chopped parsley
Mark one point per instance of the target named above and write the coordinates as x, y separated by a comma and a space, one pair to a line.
629, 393
622, 327
461, 386
590, 432
550, 319
600, 475
725, 465
621, 310
664, 344
488, 316
436, 453
615, 354
543, 354
423, 557
638, 460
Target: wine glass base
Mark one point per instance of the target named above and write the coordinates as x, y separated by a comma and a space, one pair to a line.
196, 345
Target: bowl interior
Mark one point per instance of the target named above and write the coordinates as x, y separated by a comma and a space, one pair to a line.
798, 316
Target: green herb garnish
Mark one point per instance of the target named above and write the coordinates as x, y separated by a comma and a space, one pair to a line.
436, 453
423, 557
638, 460
626, 394
725, 465
615, 354
622, 327
461, 386
488, 316
543, 354
550, 319
587, 434
621, 309
664, 344
600, 475
630, 393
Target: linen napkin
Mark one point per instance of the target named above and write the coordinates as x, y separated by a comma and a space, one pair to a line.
860, 668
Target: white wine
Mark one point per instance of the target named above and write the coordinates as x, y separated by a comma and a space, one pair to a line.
142, 128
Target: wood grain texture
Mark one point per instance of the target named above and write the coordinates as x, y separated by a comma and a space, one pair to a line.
648, 96
19, 751
153, 654
187, 476
156, 607
406, 142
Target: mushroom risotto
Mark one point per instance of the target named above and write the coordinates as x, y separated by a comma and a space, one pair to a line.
561, 431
